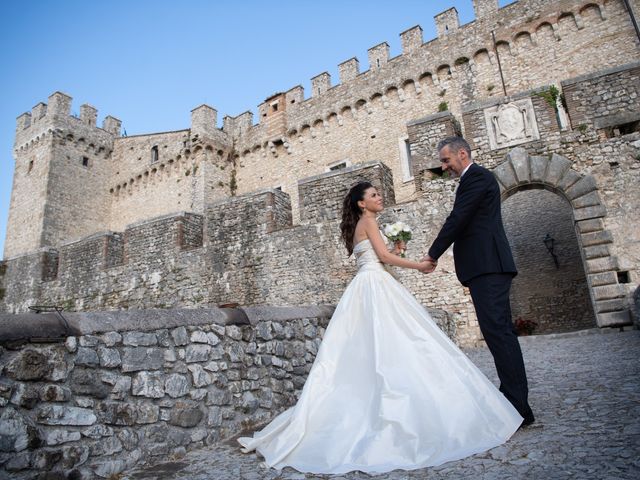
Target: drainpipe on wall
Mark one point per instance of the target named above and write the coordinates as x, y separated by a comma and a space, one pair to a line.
495, 48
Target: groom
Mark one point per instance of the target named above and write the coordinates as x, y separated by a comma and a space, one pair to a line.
484, 264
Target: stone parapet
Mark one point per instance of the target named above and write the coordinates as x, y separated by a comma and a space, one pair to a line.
605, 99
130, 387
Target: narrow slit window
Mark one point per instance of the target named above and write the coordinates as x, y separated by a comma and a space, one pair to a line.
85, 161
154, 154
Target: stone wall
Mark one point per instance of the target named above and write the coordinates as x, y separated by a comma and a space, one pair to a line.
606, 99
424, 135
322, 196
541, 134
186, 173
363, 117
131, 387
245, 250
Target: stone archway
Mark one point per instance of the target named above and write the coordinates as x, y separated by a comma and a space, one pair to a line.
551, 290
520, 172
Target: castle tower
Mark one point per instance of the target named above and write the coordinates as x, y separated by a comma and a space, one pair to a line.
60, 176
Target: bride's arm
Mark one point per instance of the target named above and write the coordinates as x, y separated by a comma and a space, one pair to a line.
385, 256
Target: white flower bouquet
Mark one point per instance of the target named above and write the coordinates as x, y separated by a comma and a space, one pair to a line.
398, 232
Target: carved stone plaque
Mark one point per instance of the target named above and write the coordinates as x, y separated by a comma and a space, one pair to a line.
511, 124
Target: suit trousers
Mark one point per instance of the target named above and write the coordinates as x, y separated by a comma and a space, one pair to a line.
490, 294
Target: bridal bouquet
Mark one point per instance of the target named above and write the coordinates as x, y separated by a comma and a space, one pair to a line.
398, 231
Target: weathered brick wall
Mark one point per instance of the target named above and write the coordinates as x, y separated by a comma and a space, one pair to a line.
556, 298
604, 99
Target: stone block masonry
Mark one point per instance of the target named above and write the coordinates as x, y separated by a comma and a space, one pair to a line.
133, 387
322, 196
605, 100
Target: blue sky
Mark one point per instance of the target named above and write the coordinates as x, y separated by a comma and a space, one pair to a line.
149, 63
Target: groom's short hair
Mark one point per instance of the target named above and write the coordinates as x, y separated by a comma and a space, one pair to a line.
455, 144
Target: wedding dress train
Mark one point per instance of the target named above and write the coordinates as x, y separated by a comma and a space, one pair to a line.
388, 390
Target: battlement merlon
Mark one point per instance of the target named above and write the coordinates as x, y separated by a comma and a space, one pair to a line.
204, 121
411, 39
484, 8
378, 56
88, 115
238, 125
348, 70
320, 84
112, 125
447, 22
59, 104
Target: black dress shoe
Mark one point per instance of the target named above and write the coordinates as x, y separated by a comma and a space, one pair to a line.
528, 420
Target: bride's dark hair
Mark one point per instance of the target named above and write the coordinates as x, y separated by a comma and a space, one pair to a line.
351, 213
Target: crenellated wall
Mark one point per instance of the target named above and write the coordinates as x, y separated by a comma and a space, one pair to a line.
362, 117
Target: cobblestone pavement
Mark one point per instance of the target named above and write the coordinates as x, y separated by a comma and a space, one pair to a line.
584, 390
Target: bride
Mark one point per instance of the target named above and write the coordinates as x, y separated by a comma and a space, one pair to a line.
388, 389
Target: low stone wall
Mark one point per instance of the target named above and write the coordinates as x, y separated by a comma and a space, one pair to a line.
129, 387
89, 395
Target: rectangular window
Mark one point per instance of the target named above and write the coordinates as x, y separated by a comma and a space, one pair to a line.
85, 161
405, 159
338, 165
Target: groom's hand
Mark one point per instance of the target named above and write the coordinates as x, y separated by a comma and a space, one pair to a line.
430, 264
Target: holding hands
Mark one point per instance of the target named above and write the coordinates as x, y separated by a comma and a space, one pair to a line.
429, 264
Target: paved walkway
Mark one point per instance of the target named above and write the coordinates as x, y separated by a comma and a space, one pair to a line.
584, 390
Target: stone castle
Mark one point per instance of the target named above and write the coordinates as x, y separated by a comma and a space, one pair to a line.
545, 91
197, 269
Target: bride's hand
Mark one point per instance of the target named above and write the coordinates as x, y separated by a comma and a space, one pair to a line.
399, 247
427, 266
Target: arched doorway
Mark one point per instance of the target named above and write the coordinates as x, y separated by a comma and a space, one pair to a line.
552, 291
520, 173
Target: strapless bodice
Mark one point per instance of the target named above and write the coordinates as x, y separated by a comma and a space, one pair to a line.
366, 258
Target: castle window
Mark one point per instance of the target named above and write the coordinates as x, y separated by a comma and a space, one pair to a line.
154, 154
338, 165
623, 277
405, 159
30, 166
85, 161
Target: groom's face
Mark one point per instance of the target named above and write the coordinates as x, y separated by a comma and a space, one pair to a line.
452, 161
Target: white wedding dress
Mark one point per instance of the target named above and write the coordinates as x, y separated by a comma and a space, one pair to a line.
388, 390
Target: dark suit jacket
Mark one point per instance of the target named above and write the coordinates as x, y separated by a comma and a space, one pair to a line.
475, 228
